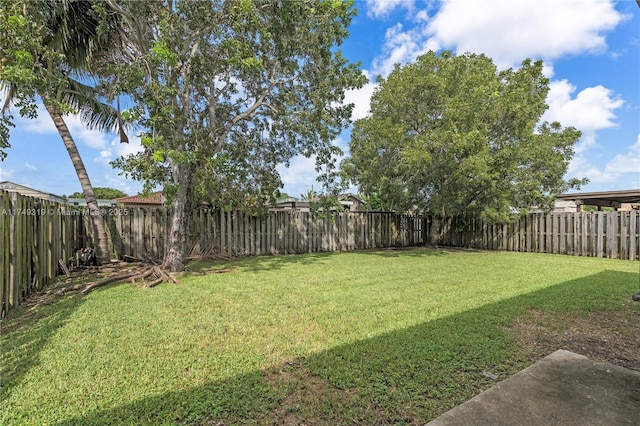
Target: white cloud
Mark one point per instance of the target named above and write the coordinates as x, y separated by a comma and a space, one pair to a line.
628, 162
361, 98
30, 166
6, 174
587, 141
507, 31
300, 176
402, 46
382, 8
116, 149
104, 158
112, 180
579, 167
592, 109
621, 164
43, 124
80, 133
123, 149
547, 69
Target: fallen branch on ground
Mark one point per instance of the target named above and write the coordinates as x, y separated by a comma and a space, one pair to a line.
212, 271
87, 288
136, 273
146, 274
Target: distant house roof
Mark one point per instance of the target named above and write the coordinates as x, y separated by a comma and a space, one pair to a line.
349, 202
565, 206
603, 198
348, 195
154, 199
292, 203
30, 192
102, 202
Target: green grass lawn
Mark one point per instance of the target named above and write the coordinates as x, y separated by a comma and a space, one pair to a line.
367, 337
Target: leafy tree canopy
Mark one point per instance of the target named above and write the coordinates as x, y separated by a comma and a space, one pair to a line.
227, 90
235, 88
101, 193
453, 135
5, 128
45, 51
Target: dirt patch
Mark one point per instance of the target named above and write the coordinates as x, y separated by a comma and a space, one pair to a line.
303, 390
611, 336
312, 400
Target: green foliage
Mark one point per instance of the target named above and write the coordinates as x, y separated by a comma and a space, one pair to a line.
5, 127
310, 195
452, 135
231, 89
102, 193
48, 48
373, 338
374, 203
588, 208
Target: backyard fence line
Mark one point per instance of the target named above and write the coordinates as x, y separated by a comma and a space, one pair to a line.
141, 233
35, 234
613, 234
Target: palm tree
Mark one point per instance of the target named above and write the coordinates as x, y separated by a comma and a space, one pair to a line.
73, 34
310, 195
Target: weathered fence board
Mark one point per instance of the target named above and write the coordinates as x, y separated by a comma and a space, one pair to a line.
612, 234
34, 234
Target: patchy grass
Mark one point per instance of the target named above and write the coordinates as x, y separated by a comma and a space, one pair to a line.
368, 337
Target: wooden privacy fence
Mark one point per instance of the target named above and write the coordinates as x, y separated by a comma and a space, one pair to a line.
34, 235
597, 234
141, 232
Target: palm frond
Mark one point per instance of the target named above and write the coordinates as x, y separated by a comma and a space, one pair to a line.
11, 91
94, 113
74, 31
81, 36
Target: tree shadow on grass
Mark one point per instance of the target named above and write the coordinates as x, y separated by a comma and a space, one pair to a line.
276, 262
19, 350
257, 263
414, 252
407, 376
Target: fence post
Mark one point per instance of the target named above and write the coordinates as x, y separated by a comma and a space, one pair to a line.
634, 240
623, 252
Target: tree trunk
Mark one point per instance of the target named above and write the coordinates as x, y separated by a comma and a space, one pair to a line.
175, 246
436, 228
102, 248
434, 238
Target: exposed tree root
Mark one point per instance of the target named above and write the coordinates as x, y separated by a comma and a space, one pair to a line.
146, 259
109, 280
213, 271
143, 274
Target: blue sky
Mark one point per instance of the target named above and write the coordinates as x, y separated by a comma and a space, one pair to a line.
591, 51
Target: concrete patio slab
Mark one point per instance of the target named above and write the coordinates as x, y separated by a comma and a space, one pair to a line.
563, 388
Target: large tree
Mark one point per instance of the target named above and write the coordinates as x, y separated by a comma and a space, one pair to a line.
46, 51
228, 90
452, 135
